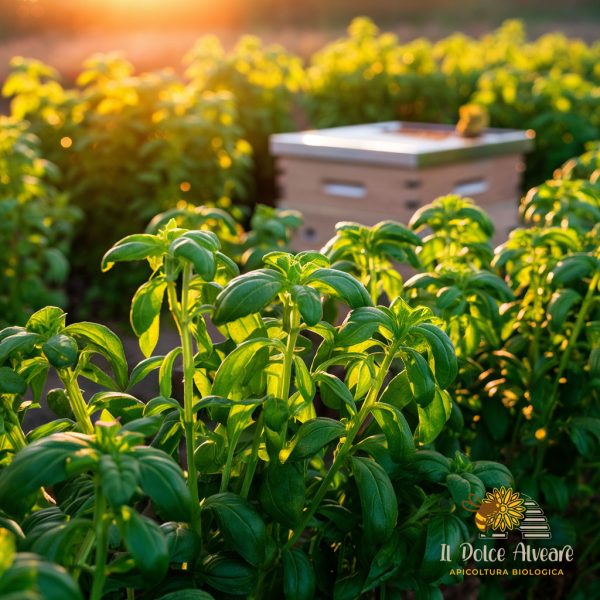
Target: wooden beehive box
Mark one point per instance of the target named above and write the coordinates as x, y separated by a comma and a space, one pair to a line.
369, 173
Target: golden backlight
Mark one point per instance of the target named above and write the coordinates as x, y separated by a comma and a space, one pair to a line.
126, 14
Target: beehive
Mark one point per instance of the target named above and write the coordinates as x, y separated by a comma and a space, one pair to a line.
368, 173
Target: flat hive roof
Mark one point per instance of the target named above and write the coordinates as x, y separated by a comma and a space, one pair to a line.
397, 143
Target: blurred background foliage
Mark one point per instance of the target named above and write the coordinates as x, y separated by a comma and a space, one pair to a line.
73, 15
126, 144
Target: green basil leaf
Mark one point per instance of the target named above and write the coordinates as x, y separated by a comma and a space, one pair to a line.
560, 305
47, 321
492, 474
311, 437
182, 542
8, 549
433, 417
58, 402
118, 404
392, 230
334, 392
309, 303
283, 492
21, 341
237, 366
490, 282
573, 268
143, 369
431, 465
119, 476
146, 543
299, 580
228, 575
442, 351
241, 525
161, 478
303, 381
442, 529
206, 239
190, 250
11, 382
101, 339
420, 377
387, 562
247, 294
459, 488
340, 285
133, 247
165, 373
26, 474
145, 313
396, 430
61, 351
361, 324
29, 572
187, 594
377, 498
398, 392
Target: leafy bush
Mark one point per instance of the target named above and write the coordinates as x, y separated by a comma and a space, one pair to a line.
264, 510
525, 328
128, 147
35, 226
311, 448
264, 81
550, 85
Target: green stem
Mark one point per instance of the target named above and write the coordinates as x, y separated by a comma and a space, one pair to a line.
373, 280
101, 523
346, 447
180, 312
534, 352
227, 469
76, 401
291, 322
564, 361
83, 553
251, 468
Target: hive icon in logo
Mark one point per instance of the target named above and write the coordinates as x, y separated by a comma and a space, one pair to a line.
503, 510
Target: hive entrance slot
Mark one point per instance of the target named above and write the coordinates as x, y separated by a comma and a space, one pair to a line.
470, 187
344, 189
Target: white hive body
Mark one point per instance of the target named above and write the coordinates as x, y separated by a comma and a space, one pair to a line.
370, 173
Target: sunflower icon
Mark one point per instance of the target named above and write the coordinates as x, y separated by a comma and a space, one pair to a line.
501, 510
510, 509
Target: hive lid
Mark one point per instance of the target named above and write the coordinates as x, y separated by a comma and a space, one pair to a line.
400, 144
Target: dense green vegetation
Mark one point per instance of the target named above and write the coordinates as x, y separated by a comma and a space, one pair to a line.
305, 458
322, 418
127, 146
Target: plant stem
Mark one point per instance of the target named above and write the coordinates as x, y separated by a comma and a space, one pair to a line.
227, 469
372, 280
76, 401
564, 361
101, 524
343, 452
291, 322
251, 468
84, 552
180, 312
